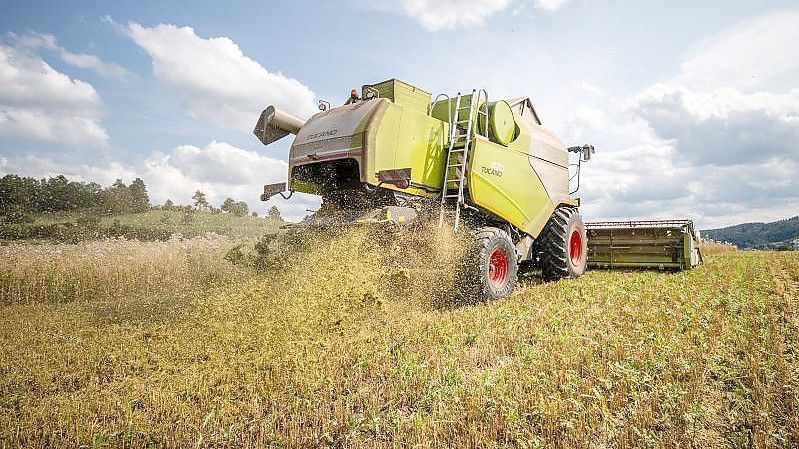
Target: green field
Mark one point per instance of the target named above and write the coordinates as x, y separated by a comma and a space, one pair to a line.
353, 341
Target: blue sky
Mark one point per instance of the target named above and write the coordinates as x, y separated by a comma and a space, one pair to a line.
693, 106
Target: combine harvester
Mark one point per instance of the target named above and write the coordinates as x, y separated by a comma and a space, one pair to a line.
396, 154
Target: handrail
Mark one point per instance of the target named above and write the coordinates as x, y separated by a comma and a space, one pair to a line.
449, 107
481, 92
375, 92
577, 174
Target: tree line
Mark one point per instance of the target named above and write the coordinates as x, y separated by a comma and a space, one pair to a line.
231, 206
22, 197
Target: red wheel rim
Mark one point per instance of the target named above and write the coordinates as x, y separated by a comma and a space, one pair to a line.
498, 268
576, 247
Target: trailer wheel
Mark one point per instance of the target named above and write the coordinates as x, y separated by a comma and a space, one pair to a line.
493, 265
563, 245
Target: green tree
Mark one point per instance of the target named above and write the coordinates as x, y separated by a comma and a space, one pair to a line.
140, 201
237, 208
25, 195
274, 213
18, 195
56, 195
242, 209
200, 202
118, 198
60, 194
228, 204
168, 204
91, 195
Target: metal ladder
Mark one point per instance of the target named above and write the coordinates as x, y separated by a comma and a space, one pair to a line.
458, 156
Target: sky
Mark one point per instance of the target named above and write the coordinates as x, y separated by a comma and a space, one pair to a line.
693, 106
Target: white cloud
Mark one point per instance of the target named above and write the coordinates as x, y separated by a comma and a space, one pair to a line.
447, 14
745, 56
723, 127
219, 169
213, 79
220, 162
675, 165
106, 69
39, 103
713, 143
438, 14
653, 181
550, 5
46, 126
34, 41
585, 85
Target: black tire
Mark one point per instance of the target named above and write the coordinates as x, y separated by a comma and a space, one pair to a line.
493, 266
563, 245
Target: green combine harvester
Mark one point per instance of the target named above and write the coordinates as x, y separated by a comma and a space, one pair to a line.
396, 153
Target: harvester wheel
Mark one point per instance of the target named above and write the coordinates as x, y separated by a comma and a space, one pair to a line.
494, 263
563, 245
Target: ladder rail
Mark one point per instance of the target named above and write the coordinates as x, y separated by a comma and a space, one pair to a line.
453, 130
462, 173
461, 154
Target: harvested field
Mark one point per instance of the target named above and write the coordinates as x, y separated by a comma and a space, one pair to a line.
347, 343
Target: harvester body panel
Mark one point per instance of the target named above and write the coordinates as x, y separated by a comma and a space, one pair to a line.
524, 181
400, 93
502, 181
378, 135
408, 138
330, 135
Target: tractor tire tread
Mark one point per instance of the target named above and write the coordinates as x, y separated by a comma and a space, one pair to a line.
485, 240
553, 244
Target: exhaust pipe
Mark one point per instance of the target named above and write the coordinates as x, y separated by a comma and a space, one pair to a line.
275, 124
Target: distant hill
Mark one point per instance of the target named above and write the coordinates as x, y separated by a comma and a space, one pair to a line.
774, 235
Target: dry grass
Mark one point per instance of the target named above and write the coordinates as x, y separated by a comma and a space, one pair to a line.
713, 247
348, 345
111, 270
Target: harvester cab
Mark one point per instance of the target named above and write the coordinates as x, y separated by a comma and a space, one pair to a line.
397, 152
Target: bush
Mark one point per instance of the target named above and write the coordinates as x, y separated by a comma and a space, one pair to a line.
89, 221
15, 216
188, 218
235, 255
263, 250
